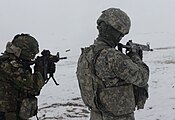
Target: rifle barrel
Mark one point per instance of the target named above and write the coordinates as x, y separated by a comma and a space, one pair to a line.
62, 58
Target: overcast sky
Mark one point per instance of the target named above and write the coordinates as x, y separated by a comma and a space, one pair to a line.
67, 24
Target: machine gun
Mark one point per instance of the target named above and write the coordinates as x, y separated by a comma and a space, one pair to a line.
134, 47
47, 61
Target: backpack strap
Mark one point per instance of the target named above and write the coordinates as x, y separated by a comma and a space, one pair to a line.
97, 85
94, 59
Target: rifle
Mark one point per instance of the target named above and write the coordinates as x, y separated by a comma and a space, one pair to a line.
48, 62
133, 47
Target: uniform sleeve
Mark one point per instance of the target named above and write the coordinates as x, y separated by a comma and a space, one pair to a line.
38, 82
112, 64
22, 79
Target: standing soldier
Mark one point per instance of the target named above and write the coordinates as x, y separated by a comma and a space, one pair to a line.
18, 85
112, 83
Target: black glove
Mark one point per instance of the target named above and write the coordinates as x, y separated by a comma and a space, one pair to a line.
137, 52
26, 64
120, 46
39, 67
140, 52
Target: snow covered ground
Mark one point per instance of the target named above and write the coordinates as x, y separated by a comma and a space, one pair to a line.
64, 24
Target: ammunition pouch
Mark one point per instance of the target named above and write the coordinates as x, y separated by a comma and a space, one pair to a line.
141, 95
117, 100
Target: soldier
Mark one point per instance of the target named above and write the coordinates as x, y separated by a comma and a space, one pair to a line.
112, 83
18, 84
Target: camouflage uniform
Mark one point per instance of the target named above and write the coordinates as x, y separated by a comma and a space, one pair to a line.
16, 82
107, 78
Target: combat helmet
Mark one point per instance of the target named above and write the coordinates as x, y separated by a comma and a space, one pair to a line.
116, 18
28, 45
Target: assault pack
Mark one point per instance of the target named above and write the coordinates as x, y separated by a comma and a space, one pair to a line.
88, 81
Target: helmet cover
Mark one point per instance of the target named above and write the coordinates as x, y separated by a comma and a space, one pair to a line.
116, 18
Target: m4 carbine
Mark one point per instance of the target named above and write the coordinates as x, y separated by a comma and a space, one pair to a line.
134, 47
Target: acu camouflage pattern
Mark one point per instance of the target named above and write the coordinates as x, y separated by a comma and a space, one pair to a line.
112, 64
28, 108
115, 74
86, 78
116, 18
16, 83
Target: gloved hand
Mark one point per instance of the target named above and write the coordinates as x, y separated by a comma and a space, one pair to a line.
39, 67
136, 52
26, 64
120, 46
